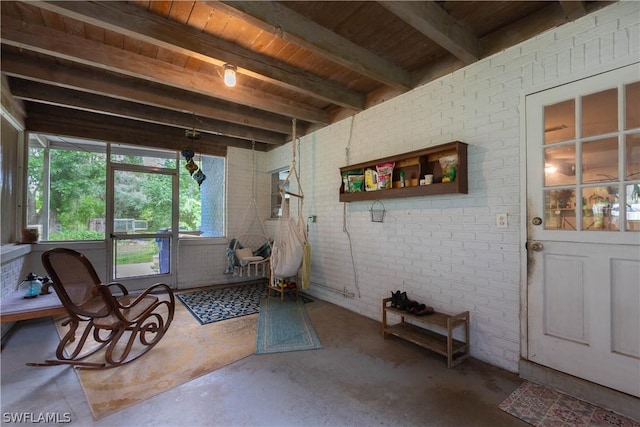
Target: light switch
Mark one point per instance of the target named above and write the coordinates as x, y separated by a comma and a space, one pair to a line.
501, 221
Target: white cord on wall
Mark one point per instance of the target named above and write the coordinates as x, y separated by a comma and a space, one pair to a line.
344, 216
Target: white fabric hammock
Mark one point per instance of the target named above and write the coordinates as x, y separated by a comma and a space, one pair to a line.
288, 247
291, 251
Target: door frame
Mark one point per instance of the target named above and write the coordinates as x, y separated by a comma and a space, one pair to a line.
142, 282
524, 214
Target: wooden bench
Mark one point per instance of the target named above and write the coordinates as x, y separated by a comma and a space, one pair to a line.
440, 342
15, 307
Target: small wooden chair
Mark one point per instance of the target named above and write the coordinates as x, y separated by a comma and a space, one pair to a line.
117, 322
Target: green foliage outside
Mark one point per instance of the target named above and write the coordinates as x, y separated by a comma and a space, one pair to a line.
78, 195
76, 235
136, 254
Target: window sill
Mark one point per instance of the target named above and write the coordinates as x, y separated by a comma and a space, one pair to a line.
12, 251
203, 241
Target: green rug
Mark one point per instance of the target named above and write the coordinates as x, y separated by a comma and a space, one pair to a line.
284, 326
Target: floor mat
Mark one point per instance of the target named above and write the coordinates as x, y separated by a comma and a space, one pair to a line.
187, 351
543, 407
284, 326
216, 304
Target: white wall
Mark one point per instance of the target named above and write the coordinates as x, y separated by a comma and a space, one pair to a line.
446, 250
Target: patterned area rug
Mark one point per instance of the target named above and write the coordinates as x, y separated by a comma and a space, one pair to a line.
285, 326
187, 351
216, 304
544, 407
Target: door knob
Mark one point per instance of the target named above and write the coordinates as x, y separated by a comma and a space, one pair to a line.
536, 221
535, 246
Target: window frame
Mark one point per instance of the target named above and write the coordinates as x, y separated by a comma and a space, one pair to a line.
50, 142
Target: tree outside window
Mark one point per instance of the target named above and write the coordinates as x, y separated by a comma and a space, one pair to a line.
66, 190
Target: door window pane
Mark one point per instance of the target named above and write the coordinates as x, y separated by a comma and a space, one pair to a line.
560, 209
140, 257
597, 207
600, 113
632, 103
142, 202
632, 192
559, 122
600, 160
560, 165
632, 156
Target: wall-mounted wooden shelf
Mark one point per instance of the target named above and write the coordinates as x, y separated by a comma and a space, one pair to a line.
415, 165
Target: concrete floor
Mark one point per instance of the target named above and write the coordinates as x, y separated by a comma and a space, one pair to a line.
356, 379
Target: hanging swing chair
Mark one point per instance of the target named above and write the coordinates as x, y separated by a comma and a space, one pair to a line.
291, 255
248, 253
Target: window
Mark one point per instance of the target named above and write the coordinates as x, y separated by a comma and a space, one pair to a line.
592, 169
67, 190
277, 179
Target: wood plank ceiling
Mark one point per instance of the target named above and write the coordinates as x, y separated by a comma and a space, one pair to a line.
144, 72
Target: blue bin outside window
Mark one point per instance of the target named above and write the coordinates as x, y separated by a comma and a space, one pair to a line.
164, 248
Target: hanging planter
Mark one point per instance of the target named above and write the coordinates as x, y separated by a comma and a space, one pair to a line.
377, 211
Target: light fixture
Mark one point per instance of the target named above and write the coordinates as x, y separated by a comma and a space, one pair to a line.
230, 75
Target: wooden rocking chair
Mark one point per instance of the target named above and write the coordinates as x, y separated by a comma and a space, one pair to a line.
114, 322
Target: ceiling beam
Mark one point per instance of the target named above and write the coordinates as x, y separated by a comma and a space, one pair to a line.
573, 9
11, 108
277, 19
435, 70
143, 25
522, 29
435, 23
122, 87
81, 124
77, 49
52, 95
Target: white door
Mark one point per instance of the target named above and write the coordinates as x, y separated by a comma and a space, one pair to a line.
583, 221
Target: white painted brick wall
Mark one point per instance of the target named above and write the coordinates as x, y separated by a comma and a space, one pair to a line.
11, 275
446, 250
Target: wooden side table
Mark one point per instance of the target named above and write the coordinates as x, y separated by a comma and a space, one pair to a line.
273, 286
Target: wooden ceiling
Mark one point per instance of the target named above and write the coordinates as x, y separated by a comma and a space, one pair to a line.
144, 72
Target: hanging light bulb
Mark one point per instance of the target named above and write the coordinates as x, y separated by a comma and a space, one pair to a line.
230, 75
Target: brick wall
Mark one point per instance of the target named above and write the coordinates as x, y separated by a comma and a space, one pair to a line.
446, 250
12, 272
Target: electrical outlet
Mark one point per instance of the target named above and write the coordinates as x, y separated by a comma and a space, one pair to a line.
501, 221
